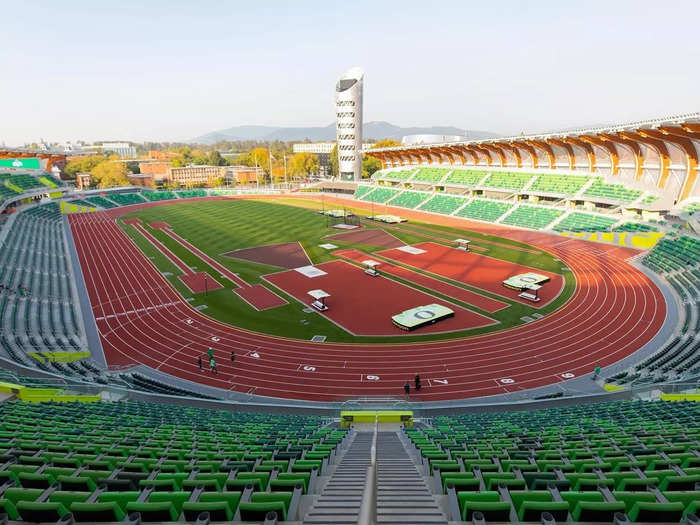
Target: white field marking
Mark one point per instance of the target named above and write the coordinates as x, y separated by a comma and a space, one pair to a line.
138, 310
507, 381
568, 375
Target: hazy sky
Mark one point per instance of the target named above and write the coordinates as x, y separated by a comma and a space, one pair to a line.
172, 70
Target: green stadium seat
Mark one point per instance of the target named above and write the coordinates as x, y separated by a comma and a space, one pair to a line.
40, 512
153, 512
650, 512
597, 511
97, 512
263, 502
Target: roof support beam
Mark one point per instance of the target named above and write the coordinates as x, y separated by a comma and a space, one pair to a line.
632, 146
516, 153
661, 150
493, 149
607, 146
546, 148
569, 151
587, 148
683, 140
530, 150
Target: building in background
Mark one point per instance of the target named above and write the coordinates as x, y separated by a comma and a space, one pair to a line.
322, 150
212, 175
123, 149
82, 181
161, 155
155, 168
142, 179
348, 128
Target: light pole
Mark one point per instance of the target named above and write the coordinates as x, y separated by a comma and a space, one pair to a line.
285, 171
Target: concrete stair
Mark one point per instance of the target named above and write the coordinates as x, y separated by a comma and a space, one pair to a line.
341, 497
403, 497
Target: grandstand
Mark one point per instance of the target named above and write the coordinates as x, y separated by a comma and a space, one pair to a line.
380, 195
578, 221
155, 196
506, 180
532, 216
38, 310
409, 199
583, 464
614, 192
429, 175
125, 199
484, 210
559, 184
678, 260
444, 204
87, 461
465, 177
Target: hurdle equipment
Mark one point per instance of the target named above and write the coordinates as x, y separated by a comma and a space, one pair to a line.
371, 267
463, 244
421, 316
319, 297
530, 293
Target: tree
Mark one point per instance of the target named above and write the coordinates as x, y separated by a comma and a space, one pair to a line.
261, 158
386, 143
370, 165
304, 164
215, 159
334, 161
111, 173
82, 164
133, 167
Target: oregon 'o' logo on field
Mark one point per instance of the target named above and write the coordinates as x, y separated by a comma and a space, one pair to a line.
424, 314
528, 279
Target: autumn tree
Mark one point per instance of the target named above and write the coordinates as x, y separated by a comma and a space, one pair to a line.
333, 161
386, 143
370, 165
304, 164
110, 173
82, 164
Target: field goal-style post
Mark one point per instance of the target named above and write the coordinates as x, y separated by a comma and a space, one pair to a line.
530, 293
463, 244
319, 297
371, 267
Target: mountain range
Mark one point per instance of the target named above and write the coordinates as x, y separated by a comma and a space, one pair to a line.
370, 130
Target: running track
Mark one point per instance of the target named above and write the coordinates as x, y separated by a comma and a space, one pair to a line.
141, 319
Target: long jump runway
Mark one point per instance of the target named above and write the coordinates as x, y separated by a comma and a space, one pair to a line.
363, 305
141, 319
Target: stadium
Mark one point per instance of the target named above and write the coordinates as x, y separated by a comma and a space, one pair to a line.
480, 330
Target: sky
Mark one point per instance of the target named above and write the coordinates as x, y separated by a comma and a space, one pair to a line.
172, 70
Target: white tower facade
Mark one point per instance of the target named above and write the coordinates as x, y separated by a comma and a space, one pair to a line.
348, 127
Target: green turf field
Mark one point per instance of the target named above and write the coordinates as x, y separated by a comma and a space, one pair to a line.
220, 226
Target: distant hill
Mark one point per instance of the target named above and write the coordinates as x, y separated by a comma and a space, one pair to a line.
370, 130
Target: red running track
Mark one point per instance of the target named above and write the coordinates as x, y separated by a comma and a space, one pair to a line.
141, 319
197, 282
476, 270
462, 294
363, 305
